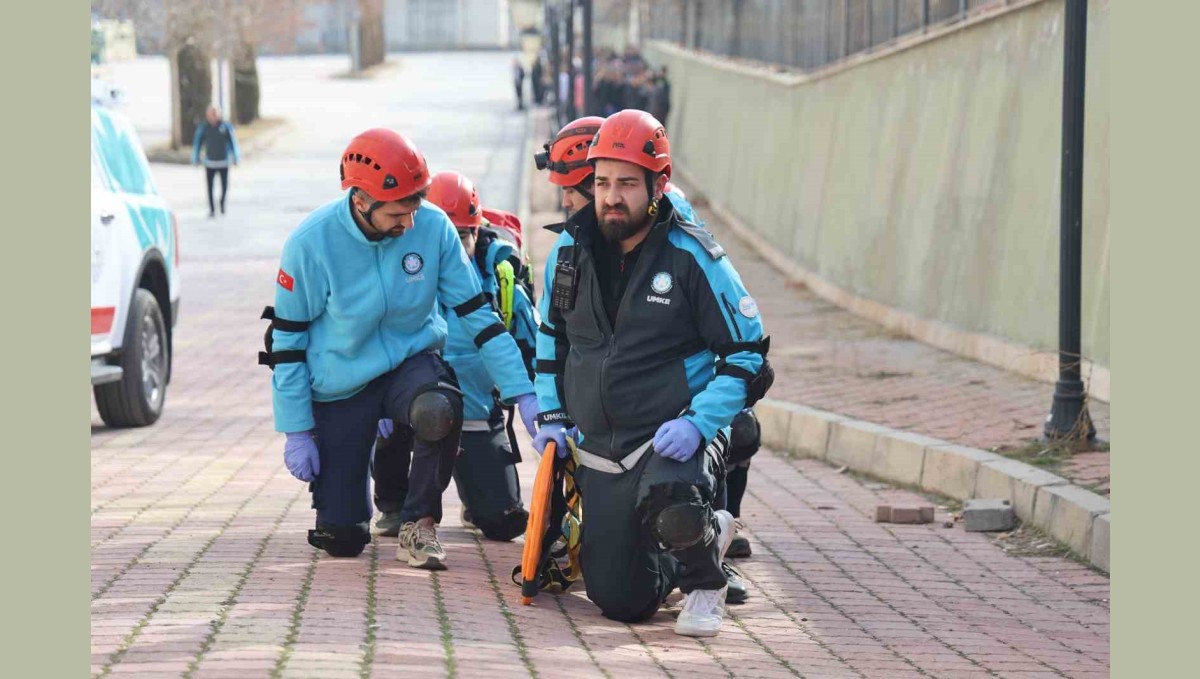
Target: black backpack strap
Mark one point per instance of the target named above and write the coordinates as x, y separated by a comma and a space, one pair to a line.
272, 358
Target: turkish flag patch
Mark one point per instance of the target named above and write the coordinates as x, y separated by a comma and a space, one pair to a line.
285, 280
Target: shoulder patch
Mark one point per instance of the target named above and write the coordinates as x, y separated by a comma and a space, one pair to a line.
748, 306
704, 237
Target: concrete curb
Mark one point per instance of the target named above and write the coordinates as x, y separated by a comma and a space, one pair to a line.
1076, 517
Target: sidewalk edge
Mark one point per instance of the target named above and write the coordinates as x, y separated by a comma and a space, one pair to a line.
1074, 516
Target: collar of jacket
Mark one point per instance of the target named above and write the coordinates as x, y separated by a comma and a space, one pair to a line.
490, 249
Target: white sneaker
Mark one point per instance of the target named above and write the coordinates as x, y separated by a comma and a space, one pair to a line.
702, 614
704, 609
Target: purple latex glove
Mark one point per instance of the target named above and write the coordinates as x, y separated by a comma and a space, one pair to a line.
556, 432
386, 427
300, 455
677, 440
527, 406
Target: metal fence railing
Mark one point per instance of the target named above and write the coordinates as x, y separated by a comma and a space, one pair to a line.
804, 34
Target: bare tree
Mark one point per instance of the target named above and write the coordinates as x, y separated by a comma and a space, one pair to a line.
372, 45
189, 27
196, 31
250, 24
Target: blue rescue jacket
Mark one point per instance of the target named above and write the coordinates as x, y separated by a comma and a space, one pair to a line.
688, 338
219, 144
468, 363
371, 305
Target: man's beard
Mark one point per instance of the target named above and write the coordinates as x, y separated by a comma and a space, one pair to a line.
622, 227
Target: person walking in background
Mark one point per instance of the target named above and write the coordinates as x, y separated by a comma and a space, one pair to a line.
519, 82
215, 138
661, 99
536, 75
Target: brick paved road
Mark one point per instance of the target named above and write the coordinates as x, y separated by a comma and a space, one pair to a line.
200, 566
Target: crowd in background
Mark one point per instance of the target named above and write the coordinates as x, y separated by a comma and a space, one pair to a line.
620, 81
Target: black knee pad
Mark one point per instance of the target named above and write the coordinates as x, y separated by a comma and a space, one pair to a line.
677, 515
341, 541
630, 614
436, 411
503, 528
745, 437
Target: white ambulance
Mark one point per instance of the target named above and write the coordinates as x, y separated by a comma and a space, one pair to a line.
135, 277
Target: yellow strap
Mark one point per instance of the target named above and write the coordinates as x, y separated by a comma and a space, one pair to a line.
506, 281
573, 520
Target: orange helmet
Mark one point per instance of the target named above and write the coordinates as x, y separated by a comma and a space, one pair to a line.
566, 155
384, 164
635, 137
506, 223
456, 195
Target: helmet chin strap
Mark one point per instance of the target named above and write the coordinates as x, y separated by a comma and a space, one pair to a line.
584, 192
380, 234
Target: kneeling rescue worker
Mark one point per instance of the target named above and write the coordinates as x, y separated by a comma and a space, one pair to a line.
355, 336
485, 473
649, 346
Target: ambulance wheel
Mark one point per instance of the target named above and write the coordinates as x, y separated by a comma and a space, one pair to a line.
137, 400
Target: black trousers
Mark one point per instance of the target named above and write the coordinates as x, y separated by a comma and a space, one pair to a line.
628, 575
346, 431
485, 475
736, 483
210, 173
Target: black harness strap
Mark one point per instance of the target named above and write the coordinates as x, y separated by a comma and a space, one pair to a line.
272, 358
493, 330
552, 332
476, 302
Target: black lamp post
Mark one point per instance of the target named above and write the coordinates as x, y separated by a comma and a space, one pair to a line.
1068, 414
588, 109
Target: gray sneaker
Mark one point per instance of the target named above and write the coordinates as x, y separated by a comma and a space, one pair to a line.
419, 546
388, 525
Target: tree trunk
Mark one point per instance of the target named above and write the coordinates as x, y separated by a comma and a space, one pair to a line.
194, 86
371, 39
244, 98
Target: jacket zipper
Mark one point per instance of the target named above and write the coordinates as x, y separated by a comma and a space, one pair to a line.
612, 346
732, 317
383, 291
